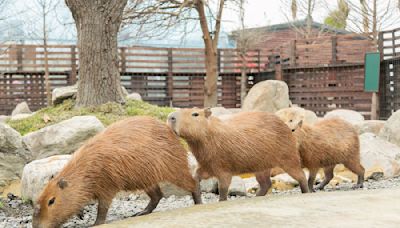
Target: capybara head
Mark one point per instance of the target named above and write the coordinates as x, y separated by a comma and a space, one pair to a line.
190, 123
293, 117
55, 205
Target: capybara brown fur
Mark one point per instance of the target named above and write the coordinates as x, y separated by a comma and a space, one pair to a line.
132, 154
248, 142
324, 145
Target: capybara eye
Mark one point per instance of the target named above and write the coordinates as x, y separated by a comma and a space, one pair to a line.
290, 121
195, 114
51, 201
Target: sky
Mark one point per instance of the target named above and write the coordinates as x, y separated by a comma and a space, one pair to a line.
23, 16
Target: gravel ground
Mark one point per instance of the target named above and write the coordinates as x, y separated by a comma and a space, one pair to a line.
15, 213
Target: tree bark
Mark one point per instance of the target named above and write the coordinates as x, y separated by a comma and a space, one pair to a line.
97, 23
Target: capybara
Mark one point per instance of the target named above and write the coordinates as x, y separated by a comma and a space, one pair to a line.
325, 144
136, 153
248, 142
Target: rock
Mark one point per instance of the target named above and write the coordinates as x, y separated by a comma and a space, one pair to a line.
124, 91
218, 111
237, 187
391, 129
21, 116
377, 153
268, 96
209, 185
63, 93
13, 154
4, 119
350, 116
37, 174
62, 138
134, 96
372, 126
21, 108
169, 189
297, 114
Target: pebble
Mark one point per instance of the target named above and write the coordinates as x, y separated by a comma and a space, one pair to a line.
125, 207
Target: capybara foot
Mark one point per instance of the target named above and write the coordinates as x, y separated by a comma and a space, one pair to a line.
320, 187
144, 212
357, 186
261, 192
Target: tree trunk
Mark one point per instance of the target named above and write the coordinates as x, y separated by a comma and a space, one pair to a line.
364, 12
97, 24
210, 85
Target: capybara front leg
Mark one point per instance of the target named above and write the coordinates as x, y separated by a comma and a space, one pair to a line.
328, 171
155, 195
311, 178
264, 180
102, 210
357, 168
299, 176
224, 181
196, 194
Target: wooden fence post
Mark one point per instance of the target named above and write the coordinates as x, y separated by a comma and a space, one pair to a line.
19, 58
170, 79
73, 80
292, 54
334, 51
380, 44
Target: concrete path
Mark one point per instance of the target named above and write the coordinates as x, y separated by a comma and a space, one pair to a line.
362, 208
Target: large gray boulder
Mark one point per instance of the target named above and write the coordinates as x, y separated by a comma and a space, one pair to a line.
13, 154
350, 116
4, 118
267, 96
371, 126
134, 96
37, 174
378, 154
62, 138
63, 93
237, 187
21, 108
391, 129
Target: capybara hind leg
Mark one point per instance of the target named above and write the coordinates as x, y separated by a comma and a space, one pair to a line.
299, 176
102, 210
264, 180
311, 179
359, 170
328, 171
155, 195
190, 184
224, 181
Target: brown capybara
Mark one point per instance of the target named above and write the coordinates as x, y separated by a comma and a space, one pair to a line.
132, 154
248, 142
324, 145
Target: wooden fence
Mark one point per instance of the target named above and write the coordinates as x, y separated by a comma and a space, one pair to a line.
322, 73
389, 94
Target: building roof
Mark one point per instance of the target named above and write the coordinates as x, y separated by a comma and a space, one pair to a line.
298, 23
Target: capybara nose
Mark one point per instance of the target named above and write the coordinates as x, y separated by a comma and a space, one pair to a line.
173, 119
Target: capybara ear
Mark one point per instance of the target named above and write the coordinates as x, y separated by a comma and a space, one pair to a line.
207, 112
300, 123
62, 183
